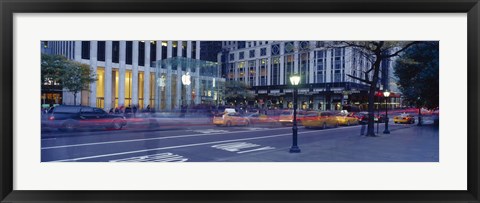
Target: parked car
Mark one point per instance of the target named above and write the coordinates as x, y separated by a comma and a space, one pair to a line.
230, 119
324, 119
69, 118
404, 118
346, 119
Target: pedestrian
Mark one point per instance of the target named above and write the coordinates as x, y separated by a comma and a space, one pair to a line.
111, 111
148, 108
363, 122
134, 110
183, 110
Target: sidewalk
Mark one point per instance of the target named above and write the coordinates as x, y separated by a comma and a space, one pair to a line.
412, 144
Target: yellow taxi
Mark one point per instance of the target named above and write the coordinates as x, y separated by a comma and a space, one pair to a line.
230, 119
346, 119
404, 118
324, 119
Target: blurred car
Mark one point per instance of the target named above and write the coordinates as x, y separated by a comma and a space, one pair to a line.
346, 119
324, 119
363, 116
230, 119
256, 118
286, 117
69, 118
404, 118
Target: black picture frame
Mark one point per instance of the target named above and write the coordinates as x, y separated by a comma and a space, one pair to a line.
10, 7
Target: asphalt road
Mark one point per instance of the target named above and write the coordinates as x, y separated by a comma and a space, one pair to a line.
187, 144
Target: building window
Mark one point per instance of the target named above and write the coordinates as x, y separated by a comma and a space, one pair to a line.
174, 48
128, 52
184, 48
337, 76
115, 51
320, 44
86, 50
276, 71
141, 87
241, 70
241, 44
152, 90
153, 53
252, 53
289, 47
141, 53
304, 45
101, 51
263, 71
128, 88
232, 57
231, 71
194, 49
288, 65
303, 67
263, 51
320, 55
251, 72
164, 50
275, 50
241, 55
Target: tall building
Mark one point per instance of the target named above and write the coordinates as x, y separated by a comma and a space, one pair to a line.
210, 50
141, 73
325, 84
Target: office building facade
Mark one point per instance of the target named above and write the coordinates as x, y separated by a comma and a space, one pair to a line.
130, 73
325, 85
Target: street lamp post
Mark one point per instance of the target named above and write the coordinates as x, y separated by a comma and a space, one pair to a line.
386, 94
295, 79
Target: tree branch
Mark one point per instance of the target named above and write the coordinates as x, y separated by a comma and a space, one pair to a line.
360, 79
401, 50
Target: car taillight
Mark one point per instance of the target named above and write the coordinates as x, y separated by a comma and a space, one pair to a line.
51, 118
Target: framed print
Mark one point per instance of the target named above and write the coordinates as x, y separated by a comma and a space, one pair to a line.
206, 101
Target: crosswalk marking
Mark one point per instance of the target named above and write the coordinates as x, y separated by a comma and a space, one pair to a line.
239, 147
163, 157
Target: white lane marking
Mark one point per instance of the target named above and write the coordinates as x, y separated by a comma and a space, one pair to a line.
209, 131
257, 128
162, 157
147, 139
258, 149
189, 145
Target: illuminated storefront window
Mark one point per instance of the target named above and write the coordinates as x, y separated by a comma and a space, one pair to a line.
100, 87
116, 73
128, 88
152, 90
141, 86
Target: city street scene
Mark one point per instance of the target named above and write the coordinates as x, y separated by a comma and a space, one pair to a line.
239, 101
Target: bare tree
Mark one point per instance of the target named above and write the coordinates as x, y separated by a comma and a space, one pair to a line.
375, 52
